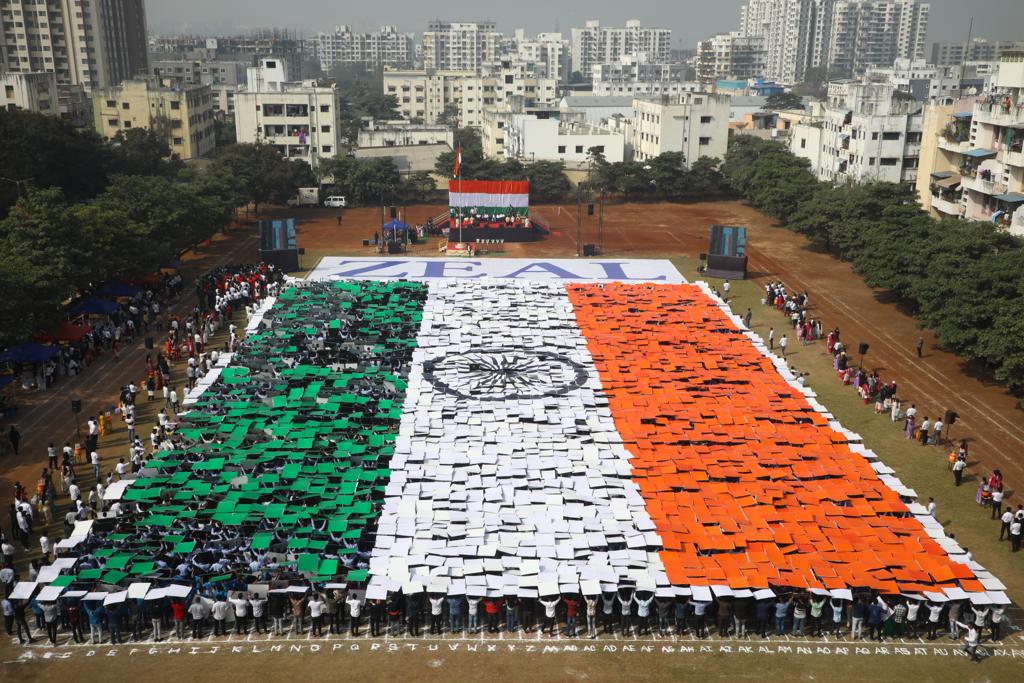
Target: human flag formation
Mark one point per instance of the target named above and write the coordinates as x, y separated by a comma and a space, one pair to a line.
501, 436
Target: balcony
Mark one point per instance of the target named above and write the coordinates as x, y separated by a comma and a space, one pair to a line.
1013, 158
953, 146
1000, 114
947, 207
984, 186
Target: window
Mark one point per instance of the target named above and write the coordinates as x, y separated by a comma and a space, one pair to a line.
874, 136
890, 136
124, 105
803, 143
177, 141
111, 103
327, 149
113, 123
175, 105
888, 161
271, 64
704, 141
325, 129
599, 148
325, 108
705, 119
561, 149
127, 124
508, 80
579, 149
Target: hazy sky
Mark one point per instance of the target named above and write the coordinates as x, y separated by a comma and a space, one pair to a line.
690, 20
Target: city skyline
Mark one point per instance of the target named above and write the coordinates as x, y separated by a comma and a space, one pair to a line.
993, 19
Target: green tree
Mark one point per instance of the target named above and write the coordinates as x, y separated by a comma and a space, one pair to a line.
418, 188
262, 175
224, 131
450, 115
704, 177
548, 182
783, 100
140, 151
48, 151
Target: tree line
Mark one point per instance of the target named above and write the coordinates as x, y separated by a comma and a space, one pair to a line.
78, 210
964, 279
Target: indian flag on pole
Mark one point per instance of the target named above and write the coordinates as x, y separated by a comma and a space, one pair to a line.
489, 197
574, 438
458, 162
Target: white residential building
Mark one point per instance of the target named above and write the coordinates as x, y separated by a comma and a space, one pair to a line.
403, 134
546, 134
461, 46
845, 36
731, 56
695, 123
977, 165
301, 120
426, 95
388, 47
979, 50
596, 44
632, 75
549, 52
203, 68
866, 132
92, 43
598, 108
30, 91
927, 82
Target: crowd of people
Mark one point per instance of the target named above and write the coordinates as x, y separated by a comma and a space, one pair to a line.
279, 606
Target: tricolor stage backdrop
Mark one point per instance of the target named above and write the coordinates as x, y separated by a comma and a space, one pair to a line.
570, 426
489, 197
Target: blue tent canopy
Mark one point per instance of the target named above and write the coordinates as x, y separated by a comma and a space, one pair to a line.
29, 352
396, 225
118, 288
1011, 197
979, 153
95, 306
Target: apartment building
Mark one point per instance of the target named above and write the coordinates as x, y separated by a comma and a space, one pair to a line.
865, 132
844, 36
181, 114
694, 123
633, 76
31, 92
461, 46
975, 152
301, 119
91, 43
426, 95
596, 44
388, 47
730, 56
548, 52
548, 134
204, 68
978, 50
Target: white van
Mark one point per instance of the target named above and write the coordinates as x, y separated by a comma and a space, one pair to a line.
336, 202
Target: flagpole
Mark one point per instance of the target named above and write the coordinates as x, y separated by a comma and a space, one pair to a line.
459, 162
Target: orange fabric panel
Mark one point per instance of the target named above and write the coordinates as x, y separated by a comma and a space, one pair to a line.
745, 482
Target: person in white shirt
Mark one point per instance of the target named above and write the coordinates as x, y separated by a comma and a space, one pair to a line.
316, 613
74, 492
95, 458
436, 609
121, 469
934, 612
932, 507
592, 602
550, 621
970, 640
643, 612
997, 501
355, 608
44, 546
937, 432
958, 471
221, 609
241, 606
472, 609
1006, 520
782, 345
259, 611
997, 623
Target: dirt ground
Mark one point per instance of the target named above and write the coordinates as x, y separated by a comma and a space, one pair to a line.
939, 380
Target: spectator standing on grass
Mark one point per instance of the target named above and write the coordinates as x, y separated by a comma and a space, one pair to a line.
958, 471
782, 345
997, 502
1006, 520
1015, 533
937, 431
747, 318
922, 433
726, 288
932, 507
